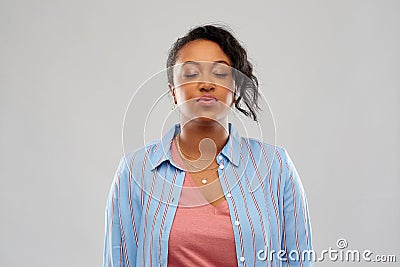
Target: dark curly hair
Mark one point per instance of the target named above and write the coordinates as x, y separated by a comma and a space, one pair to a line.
246, 90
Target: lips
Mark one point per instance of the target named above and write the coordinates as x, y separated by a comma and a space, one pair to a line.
207, 98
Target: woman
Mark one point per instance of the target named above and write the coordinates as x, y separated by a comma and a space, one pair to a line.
203, 195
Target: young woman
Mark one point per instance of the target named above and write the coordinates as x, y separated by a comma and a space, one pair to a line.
203, 195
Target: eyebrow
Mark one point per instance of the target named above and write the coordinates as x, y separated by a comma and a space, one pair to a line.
198, 63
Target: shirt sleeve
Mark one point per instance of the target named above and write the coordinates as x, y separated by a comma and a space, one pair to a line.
113, 252
296, 241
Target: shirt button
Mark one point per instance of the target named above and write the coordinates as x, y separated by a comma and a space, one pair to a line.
237, 223
220, 157
221, 167
241, 259
228, 195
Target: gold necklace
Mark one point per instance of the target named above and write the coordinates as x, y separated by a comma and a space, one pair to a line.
189, 161
184, 154
203, 180
200, 168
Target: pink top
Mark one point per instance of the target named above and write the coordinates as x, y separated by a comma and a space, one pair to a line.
201, 234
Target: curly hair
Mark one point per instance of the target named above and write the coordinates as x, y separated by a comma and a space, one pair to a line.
246, 90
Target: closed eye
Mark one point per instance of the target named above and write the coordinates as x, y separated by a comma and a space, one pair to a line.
189, 75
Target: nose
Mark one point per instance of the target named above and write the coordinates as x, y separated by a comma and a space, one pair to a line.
206, 87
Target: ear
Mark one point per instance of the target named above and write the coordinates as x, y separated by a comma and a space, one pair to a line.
172, 90
233, 98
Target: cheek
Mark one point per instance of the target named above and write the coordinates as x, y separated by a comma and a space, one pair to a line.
226, 88
183, 93
229, 97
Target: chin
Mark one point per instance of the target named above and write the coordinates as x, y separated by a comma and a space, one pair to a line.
208, 119
205, 115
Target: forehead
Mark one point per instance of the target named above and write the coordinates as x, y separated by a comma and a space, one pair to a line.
201, 50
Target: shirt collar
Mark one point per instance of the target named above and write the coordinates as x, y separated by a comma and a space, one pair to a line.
162, 151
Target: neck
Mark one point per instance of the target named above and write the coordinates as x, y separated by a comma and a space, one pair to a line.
213, 133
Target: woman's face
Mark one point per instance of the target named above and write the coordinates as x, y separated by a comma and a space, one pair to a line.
203, 81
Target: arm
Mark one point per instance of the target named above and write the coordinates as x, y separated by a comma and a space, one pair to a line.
296, 240
113, 253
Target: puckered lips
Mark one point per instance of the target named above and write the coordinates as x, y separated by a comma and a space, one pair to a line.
207, 100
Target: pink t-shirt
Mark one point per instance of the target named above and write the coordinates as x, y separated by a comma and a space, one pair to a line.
201, 234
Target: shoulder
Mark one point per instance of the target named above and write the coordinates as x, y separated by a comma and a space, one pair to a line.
136, 164
257, 146
143, 153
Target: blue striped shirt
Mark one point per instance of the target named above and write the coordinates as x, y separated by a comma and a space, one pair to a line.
267, 204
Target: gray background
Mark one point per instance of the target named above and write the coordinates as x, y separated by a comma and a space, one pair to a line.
330, 71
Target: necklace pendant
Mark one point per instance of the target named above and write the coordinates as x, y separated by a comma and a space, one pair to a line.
204, 181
